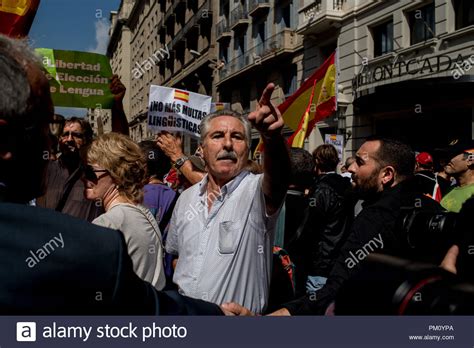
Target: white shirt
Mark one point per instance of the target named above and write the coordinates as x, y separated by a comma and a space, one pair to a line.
224, 255
143, 238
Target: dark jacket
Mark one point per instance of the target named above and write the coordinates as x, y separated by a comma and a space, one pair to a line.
426, 181
330, 212
56, 264
65, 192
378, 220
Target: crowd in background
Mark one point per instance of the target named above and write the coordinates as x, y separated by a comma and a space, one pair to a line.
281, 236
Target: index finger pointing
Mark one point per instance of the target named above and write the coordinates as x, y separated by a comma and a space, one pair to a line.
267, 94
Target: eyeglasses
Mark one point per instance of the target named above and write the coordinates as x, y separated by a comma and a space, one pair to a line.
468, 155
90, 173
75, 135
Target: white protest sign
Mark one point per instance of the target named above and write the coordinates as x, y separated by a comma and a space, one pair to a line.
176, 110
337, 141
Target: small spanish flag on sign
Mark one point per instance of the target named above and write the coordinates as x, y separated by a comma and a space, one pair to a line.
219, 106
16, 17
181, 95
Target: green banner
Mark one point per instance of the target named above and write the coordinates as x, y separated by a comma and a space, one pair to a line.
78, 79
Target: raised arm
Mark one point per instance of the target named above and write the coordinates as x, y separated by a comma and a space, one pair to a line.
276, 162
171, 146
119, 119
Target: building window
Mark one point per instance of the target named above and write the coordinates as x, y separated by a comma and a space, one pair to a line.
422, 24
259, 34
283, 16
224, 52
245, 98
224, 8
327, 50
240, 47
464, 10
286, 16
383, 38
289, 80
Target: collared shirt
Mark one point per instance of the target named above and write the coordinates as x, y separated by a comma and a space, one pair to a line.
225, 254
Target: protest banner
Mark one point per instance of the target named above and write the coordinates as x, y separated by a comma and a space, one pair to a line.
175, 110
337, 141
78, 79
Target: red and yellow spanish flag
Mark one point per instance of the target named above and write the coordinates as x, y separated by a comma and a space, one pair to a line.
16, 17
181, 95
315, 100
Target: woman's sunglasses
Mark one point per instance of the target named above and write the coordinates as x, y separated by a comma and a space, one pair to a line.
90, 173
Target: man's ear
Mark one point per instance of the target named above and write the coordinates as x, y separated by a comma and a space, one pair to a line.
5, 151
388, 175
470, 160
4, 154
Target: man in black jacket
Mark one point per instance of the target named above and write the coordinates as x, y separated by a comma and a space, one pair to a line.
331, 212
381, 176
53, 263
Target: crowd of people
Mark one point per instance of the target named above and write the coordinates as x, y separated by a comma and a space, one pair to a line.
147, 229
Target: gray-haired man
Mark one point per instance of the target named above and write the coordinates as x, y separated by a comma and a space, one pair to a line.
222, 227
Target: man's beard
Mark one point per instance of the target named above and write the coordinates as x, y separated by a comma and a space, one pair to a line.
70, 157
68, 148
366, 188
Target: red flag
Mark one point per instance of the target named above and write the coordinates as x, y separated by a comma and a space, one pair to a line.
16, 17
313, 101
300, 134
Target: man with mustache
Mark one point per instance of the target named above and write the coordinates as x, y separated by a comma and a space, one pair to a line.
222, 228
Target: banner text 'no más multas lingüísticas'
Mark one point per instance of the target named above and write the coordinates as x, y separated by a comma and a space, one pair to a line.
175, 110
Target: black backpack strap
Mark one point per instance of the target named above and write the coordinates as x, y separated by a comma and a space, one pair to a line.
68, 188
167, 217
301, 227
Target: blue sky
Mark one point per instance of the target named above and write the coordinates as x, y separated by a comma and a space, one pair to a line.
79, 25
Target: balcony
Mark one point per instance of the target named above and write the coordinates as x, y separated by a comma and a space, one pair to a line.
192, 24
286, 41
239, 17
258, 7
320, 15
173, 9
223, 30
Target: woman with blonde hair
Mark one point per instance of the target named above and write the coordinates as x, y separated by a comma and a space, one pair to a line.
114, 176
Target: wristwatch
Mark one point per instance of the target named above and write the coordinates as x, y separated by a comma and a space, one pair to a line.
180, 161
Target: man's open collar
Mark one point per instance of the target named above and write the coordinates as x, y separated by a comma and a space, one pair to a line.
227, 188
